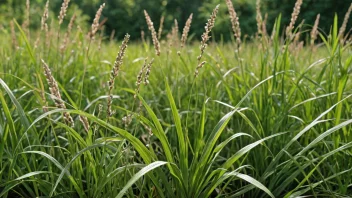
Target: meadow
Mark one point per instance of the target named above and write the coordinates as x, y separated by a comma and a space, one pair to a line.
82, 115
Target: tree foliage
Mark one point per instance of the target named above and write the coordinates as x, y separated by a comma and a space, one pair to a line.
126, 16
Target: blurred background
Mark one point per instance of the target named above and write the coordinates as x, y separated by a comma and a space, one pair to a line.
126, 16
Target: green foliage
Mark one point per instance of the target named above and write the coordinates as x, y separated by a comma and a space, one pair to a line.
272, 119
126, 16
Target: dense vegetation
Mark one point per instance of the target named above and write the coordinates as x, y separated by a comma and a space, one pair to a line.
84, 116
127, 15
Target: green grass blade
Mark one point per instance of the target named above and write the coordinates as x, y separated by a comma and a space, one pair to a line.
246, 149
31, 174
159, 133
215, 134
180, 135
28, 46
199, 141
19, 108
138, 145
325, 134
11, 125
219, 147
138, 175
295, 138
65, 170
254, 182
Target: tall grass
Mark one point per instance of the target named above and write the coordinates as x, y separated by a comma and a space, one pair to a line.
270, 120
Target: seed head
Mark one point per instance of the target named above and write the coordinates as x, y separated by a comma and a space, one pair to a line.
67, 34
259, 18
45, 16
152, 30
294, 17
264, 24
147, 72
84, 122
63, 11
235, 23
140, 78
344, 24
95, 24
205, 37
186, 30
115, 71
55, 93
160, 27
314, 32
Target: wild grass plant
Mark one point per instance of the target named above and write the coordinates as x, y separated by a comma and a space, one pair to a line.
266, 117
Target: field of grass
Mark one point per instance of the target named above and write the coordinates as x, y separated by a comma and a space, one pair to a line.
271, 119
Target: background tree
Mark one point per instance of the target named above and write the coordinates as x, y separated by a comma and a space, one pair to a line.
127, 15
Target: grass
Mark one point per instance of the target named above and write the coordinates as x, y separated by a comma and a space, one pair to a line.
272, 120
